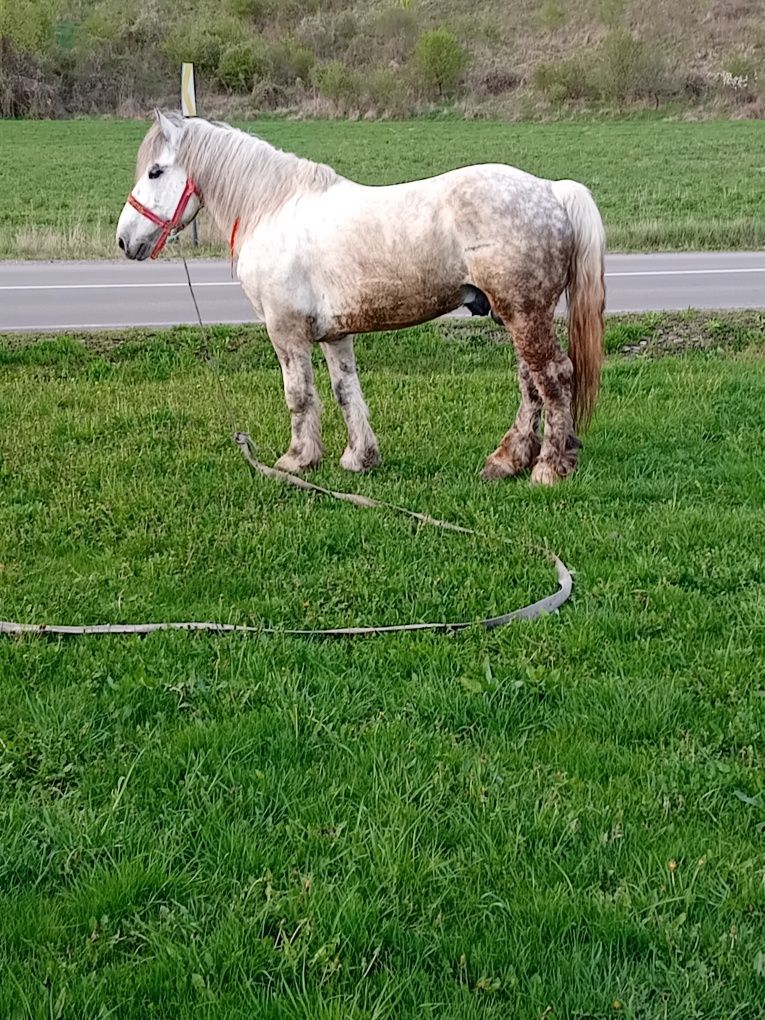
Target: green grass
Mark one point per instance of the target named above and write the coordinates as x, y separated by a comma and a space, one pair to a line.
560, 819
659, 185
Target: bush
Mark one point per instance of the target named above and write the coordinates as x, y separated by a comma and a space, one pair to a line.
336, 82
28, 24
439, 60
628, 68
327, 35
254, 10
24, 88
386, 92
568, 80
202, 44
241, 66
396, 32
496, 81
288, 61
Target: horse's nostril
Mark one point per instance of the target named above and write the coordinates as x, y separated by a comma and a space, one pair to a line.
121, 243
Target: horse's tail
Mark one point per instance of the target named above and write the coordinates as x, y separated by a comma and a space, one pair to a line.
586, 296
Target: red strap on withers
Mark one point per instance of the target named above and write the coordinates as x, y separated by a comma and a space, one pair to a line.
168, 226
232, 242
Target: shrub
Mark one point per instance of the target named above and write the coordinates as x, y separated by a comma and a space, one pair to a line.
386, 92
202, 44
439, 60
288, 61
103, 25
327, 35
396, 32
24, 88
241, 66
496, 81
28, 24
628, 68
565, 81
336, 82
254, 10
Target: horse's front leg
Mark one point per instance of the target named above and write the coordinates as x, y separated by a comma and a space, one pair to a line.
362, 452
305, 448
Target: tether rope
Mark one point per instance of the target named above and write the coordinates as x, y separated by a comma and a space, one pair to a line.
544, 606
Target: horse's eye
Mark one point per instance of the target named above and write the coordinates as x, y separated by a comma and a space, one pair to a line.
155, 172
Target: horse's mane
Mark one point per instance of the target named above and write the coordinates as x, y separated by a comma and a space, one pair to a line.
240, 175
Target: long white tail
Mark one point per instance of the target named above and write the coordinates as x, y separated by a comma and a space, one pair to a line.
586, 296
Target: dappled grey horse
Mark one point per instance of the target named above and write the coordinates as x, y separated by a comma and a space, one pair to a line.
321, 258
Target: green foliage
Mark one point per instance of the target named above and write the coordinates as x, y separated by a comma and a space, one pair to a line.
386, 92
202, 43
105, 24
626, 67
396, 29
740, 66
611, 12
621, 68
440, 61
288, 61
567, 80
29, 23
252, 10
241, 66
336, 82
552, 15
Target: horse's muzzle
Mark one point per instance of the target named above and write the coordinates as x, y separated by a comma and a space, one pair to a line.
137, 253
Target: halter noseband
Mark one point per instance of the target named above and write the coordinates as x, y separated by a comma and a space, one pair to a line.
171, 225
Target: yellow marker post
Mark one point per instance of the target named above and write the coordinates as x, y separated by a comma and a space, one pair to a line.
189, 108
188, 94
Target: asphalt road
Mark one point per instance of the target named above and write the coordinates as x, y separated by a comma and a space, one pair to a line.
55, 296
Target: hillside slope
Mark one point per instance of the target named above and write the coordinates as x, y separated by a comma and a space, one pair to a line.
384, 57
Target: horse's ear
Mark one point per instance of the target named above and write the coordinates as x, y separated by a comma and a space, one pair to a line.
170, 131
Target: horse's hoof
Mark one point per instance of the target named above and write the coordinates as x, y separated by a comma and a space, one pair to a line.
360, 460
501, 464
544, 473
294, 465
493, 470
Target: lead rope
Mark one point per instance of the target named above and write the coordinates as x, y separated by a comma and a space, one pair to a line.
544, 606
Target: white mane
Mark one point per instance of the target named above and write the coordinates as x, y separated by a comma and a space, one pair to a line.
240, 175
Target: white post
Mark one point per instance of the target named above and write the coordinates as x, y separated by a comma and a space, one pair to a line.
189, 108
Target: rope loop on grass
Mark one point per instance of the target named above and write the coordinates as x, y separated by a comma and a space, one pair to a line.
542, 607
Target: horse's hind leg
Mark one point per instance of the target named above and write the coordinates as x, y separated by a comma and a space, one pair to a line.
552, 374
520, 446
362, 452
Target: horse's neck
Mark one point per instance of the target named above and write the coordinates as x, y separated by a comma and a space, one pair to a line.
244, 179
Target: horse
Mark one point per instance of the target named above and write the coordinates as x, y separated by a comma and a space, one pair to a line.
321, 258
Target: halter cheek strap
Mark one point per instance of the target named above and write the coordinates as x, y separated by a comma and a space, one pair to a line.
173, 224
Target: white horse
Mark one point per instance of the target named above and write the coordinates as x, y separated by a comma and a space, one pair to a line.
321, 258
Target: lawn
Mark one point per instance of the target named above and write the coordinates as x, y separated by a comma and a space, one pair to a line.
659, 184
560, 819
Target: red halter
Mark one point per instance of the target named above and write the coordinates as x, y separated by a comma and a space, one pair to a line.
168, 226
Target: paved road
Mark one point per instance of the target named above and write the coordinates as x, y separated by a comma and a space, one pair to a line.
52, 296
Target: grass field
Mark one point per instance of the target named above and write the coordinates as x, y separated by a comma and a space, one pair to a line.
562, 819
659, 185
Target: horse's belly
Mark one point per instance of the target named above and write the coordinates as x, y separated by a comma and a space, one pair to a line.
379, 306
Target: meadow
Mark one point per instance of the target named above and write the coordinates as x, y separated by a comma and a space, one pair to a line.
659, 184
560, 819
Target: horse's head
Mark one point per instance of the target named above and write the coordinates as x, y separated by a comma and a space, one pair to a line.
164, 200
